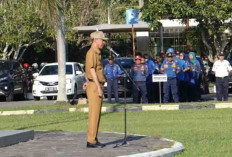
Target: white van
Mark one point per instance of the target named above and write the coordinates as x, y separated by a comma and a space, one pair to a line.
46, 81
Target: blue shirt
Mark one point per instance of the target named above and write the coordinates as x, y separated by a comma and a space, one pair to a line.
152, 67
195, 70
112, 71
139, 72
175, 59
170, 68
187, 73
183, 65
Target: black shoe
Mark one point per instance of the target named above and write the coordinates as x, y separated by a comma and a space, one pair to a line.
95, 145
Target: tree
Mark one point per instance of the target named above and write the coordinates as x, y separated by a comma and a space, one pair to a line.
113, 11
20, 28
52, 12
214, 17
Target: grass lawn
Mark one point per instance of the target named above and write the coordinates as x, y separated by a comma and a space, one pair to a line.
204, 133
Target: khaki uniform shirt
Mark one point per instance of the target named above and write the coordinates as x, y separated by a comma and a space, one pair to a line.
93, 60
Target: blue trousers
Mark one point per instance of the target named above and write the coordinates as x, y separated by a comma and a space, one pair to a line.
112, 85
170, 84
143, 91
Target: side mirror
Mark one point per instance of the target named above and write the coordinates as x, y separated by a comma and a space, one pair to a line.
78, 72
35, 75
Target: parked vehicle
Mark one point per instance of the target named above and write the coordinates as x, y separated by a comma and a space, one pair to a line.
46, 81
125, 63
12, 80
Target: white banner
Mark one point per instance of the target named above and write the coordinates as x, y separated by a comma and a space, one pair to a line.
159, 78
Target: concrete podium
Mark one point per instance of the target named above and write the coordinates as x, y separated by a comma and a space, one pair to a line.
11, 137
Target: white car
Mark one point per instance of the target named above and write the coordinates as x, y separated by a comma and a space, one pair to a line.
46, 81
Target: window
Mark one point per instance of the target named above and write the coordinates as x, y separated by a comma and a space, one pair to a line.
4, 67
53, 70
80, 68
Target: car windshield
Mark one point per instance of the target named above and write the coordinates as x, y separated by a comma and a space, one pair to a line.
126, 63
4, 67
53, 70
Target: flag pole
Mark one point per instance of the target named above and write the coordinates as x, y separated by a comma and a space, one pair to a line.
133, 40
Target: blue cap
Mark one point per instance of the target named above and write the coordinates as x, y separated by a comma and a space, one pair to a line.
170, 50
169, 54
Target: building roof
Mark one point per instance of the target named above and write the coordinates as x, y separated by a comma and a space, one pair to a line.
112, 28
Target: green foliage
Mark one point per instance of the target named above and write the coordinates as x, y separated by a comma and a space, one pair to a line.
20, 26
211, 11
23, 24
118, 10
213, 17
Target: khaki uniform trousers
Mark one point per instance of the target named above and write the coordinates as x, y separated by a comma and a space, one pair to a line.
95, 104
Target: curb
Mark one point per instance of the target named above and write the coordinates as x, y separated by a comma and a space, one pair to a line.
166, 152
121, 109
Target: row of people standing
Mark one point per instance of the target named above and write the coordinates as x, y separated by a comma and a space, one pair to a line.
183, 74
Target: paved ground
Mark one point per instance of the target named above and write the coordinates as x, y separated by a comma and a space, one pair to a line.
31, 102
71, 144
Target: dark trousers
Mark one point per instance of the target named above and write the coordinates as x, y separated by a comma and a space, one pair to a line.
183, 90
194, 91
222, 88
171, 84
151, 92
112, 85
143, 91
157, 89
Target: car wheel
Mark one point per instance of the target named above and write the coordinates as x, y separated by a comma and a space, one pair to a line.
50, 97
105, 96
10, 97
75, 92
84, 95
36, 98
2, 98
23, 96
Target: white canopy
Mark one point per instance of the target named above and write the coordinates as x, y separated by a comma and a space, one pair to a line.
112, 28
177, 23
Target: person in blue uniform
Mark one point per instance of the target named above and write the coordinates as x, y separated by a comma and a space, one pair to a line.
195, 71
182, 83
112, 72
171, 68
139, 73
152, 68
158, 88
174, 58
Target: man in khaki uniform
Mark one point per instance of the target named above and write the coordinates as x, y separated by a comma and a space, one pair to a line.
94, 87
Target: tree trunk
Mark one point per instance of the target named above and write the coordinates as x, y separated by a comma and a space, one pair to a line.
16, 54
109, 14
210, 50
5, 51
61, 57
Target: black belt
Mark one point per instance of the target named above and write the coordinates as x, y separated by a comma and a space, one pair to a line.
91, 80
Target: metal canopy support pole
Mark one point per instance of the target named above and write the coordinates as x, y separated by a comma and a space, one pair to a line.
133, 40
162, 38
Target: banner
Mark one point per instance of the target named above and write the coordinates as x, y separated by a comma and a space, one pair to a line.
132, 16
